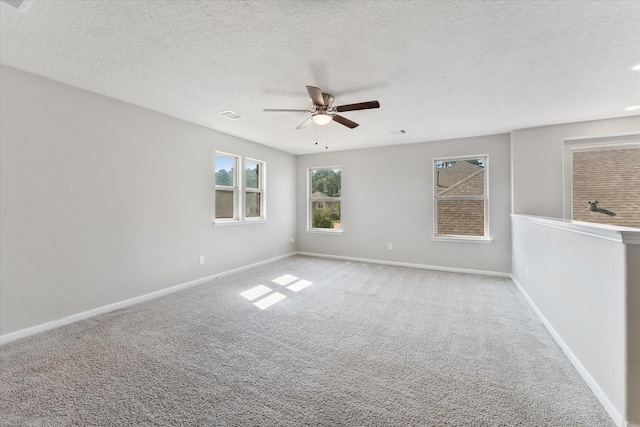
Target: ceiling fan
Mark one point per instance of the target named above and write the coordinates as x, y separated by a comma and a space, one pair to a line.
323, 111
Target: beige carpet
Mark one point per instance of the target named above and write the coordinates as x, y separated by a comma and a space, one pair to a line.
349, 344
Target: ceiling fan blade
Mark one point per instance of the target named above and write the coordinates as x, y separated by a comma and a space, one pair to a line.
285, 110
316, 95
359, 106
305, 123
344, 121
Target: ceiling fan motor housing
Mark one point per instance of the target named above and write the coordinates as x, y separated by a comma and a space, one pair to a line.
328, 100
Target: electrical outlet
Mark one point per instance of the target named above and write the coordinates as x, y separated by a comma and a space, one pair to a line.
390, 246
528, 273
201, 259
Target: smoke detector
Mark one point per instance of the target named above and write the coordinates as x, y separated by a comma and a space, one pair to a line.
230, 114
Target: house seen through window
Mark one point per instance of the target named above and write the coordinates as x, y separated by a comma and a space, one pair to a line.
254, 197
606, 185
226, 186
460, 197
239, 197
325, 191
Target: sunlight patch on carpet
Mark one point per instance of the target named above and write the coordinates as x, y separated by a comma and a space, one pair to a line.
255, 292
299, 285
285, 280
295, 285
270, 300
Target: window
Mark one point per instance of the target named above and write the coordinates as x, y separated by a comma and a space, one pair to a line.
254, 189
226, 166
238, 200
461, 202
606, 184
325, 190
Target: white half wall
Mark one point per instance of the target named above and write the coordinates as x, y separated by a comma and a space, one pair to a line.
387, 197
102, 201
582, 280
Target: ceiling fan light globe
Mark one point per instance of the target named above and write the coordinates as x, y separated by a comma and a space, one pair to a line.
322, 119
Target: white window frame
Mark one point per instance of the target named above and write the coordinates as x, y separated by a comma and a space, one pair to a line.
239, 191
262, 170
456, 237
234, 187
311, 200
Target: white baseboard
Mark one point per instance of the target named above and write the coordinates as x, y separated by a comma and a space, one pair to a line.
601, 395
406, 264
122, 304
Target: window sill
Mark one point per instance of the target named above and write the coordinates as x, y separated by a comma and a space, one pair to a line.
460, 239
324, 231
237, 222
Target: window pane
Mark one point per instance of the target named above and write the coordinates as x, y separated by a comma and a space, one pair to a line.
252, 174
326, 190
612, 178
325, 214
460, 217
224, 203
460, 178
225, 167
253, 205
326, 183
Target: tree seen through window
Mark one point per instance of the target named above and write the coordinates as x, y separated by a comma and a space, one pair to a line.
325, 198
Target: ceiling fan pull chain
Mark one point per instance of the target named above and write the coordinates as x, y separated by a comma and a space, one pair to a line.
316, 134
326, 138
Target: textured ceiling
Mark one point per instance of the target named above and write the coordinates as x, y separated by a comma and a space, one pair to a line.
440, 69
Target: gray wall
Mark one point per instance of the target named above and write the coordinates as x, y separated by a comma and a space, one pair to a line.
102, 201
387, 197
537, 155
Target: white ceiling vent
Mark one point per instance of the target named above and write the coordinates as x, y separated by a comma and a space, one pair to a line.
230, 114
21, 5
